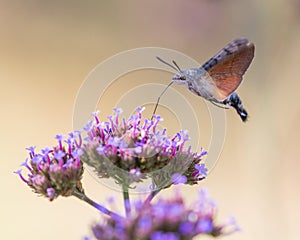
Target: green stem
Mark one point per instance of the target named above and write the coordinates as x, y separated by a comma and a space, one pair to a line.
126, 200
81, 195
152, 195
156, 190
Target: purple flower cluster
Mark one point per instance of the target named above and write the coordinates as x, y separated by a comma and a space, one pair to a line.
134, 149
129, 151
166, 219
57, 170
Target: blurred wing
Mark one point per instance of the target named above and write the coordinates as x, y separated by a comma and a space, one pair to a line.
228, 66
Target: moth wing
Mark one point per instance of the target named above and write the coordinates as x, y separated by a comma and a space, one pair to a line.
228, 66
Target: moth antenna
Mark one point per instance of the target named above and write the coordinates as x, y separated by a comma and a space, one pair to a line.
170, 65
176, 65
159, 98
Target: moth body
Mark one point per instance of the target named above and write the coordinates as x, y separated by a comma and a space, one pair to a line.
198, 81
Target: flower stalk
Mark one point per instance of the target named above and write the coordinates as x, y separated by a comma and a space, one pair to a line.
82, 196
126, 200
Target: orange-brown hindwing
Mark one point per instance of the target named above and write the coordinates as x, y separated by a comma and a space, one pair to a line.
228, 66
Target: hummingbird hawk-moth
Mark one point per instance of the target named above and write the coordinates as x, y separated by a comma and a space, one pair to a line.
218, 78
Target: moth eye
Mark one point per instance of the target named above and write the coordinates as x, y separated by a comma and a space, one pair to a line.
182, 78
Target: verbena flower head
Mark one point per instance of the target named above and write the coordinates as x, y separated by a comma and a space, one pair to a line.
55, 171
134, 149
167, 219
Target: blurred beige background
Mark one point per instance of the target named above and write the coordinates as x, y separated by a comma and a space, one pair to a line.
47, 48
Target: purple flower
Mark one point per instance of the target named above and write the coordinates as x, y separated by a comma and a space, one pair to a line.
19, 172
178, 178
144, 225
205, 226
136, 174
118, 111
165, 219
202, 170
51, 193
59, 154
114, 150
87, 127
95, 114
31, 149
101, 150
140, 109
162, 235
38, 158
46, 150
77, 152
186, 227
54, 171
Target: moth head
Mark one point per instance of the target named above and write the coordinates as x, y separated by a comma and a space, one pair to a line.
191, 74
180, 77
